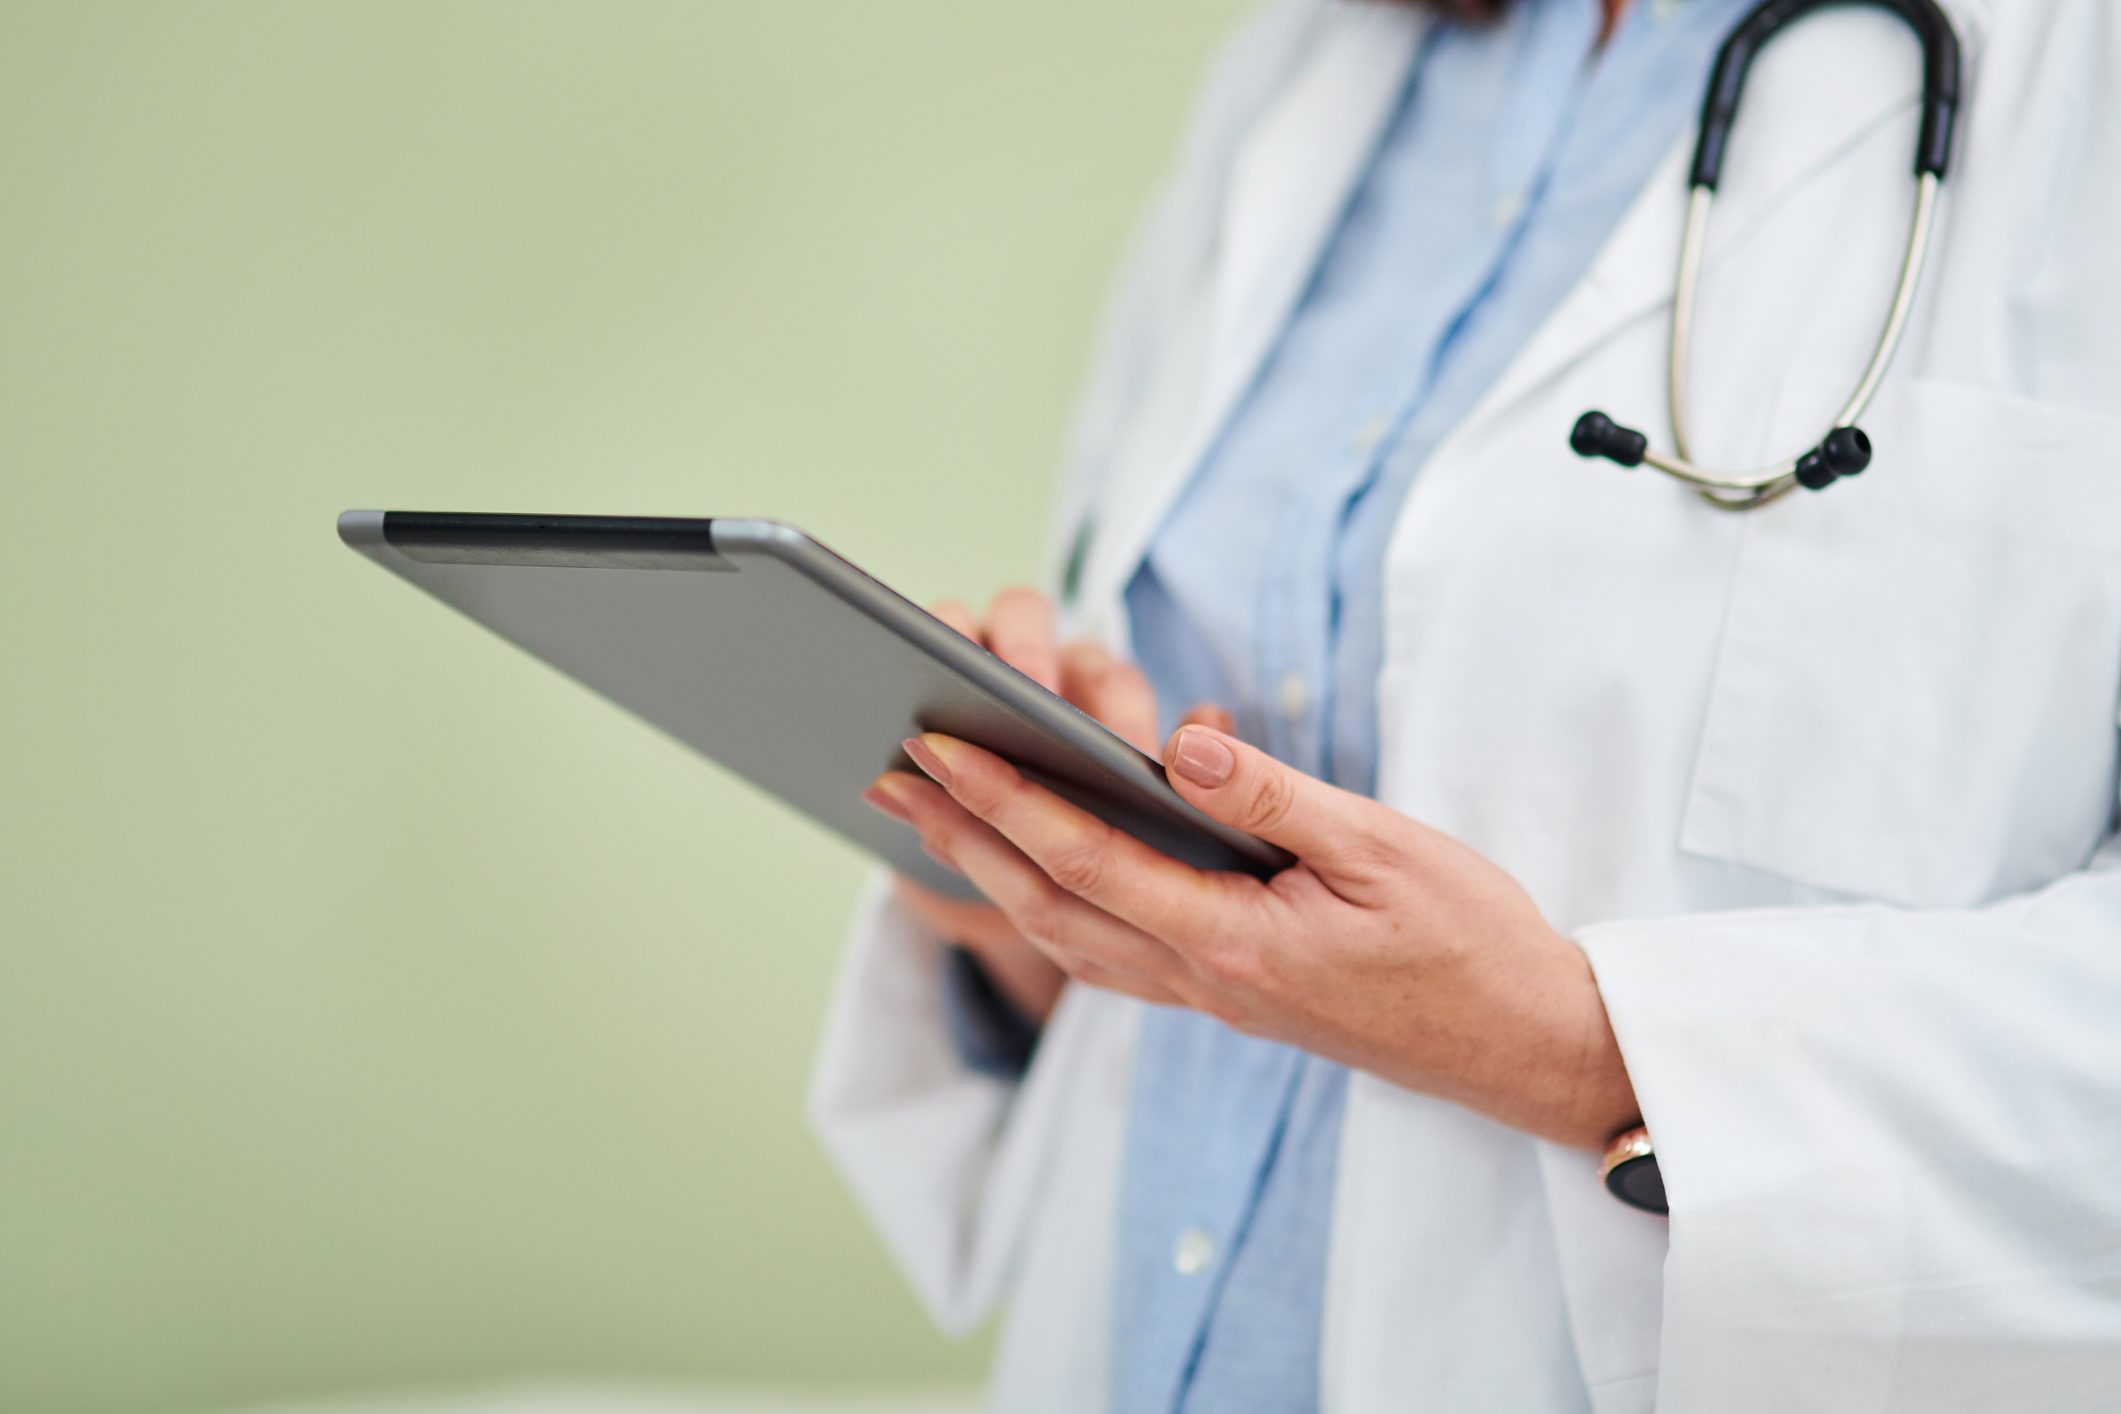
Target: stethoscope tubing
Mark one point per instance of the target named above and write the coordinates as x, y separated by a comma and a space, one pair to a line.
1744, 490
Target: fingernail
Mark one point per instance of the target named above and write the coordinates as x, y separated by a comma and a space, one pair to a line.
1201, 759
940, 855
927, 760
881, 799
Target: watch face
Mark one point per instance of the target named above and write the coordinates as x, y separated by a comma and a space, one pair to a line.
1638, 1183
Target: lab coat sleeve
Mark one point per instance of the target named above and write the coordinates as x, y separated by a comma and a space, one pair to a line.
1892, 1146
943, 1156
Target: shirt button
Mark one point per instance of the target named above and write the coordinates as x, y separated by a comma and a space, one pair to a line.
1370, 436
1192, 1253
1293, 697
1506, 211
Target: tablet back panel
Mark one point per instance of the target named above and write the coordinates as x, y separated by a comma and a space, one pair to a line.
756, 646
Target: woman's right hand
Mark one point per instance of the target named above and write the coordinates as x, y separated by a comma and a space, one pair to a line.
1019, 629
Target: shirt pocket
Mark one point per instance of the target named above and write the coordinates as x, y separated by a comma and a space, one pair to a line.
1914, 696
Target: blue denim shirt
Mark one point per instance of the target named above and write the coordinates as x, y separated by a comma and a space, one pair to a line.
1514, 152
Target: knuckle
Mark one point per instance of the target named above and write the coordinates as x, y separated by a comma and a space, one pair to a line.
1235, 966
951, 842
1038, 914
1268, 807
1238, 959
1078, 866
982, 791
1369, 854
1020, 793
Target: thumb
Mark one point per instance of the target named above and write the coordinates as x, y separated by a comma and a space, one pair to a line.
1330, 829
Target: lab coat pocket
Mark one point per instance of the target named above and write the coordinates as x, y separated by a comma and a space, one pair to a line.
1914, 696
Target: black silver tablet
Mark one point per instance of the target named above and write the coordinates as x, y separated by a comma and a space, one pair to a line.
757, 646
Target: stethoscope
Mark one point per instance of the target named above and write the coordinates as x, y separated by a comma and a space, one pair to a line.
1844, 450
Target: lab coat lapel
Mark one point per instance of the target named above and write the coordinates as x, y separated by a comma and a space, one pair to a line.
1289, 182
1812, 96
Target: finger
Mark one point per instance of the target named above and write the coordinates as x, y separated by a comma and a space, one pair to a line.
1084, 856
1207, 714
1111, 690
885, 798
1029, 979
1344, 837
979, 926
935, 817
1020, 633
958, 615
1066, 928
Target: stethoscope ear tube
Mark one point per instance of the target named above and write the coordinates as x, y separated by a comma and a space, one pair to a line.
1844, 450
1940, 80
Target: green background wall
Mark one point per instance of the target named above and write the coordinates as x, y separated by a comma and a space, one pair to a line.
375, 1007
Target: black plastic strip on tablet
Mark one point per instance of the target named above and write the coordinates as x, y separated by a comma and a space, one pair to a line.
571, 542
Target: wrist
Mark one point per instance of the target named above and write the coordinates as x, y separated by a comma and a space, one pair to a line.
1552, 1066
1601, 1096
1605, 1103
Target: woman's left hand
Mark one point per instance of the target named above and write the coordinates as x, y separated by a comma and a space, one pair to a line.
1388, 946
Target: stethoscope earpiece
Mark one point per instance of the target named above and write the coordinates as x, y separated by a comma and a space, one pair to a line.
1597, 435
1845, 452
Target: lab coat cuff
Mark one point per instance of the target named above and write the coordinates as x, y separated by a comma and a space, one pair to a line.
1701, 1004
942, 1157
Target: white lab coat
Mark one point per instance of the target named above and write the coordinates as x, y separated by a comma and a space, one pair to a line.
1821, 790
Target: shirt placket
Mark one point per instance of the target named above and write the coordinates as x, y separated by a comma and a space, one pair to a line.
1211, 1195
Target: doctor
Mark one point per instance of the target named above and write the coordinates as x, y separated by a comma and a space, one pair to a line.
1778, 845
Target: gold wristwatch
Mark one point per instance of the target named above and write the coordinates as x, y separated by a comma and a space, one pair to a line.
1630, 1171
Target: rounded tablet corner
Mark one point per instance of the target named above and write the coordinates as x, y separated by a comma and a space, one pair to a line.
763, 537
362, 530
